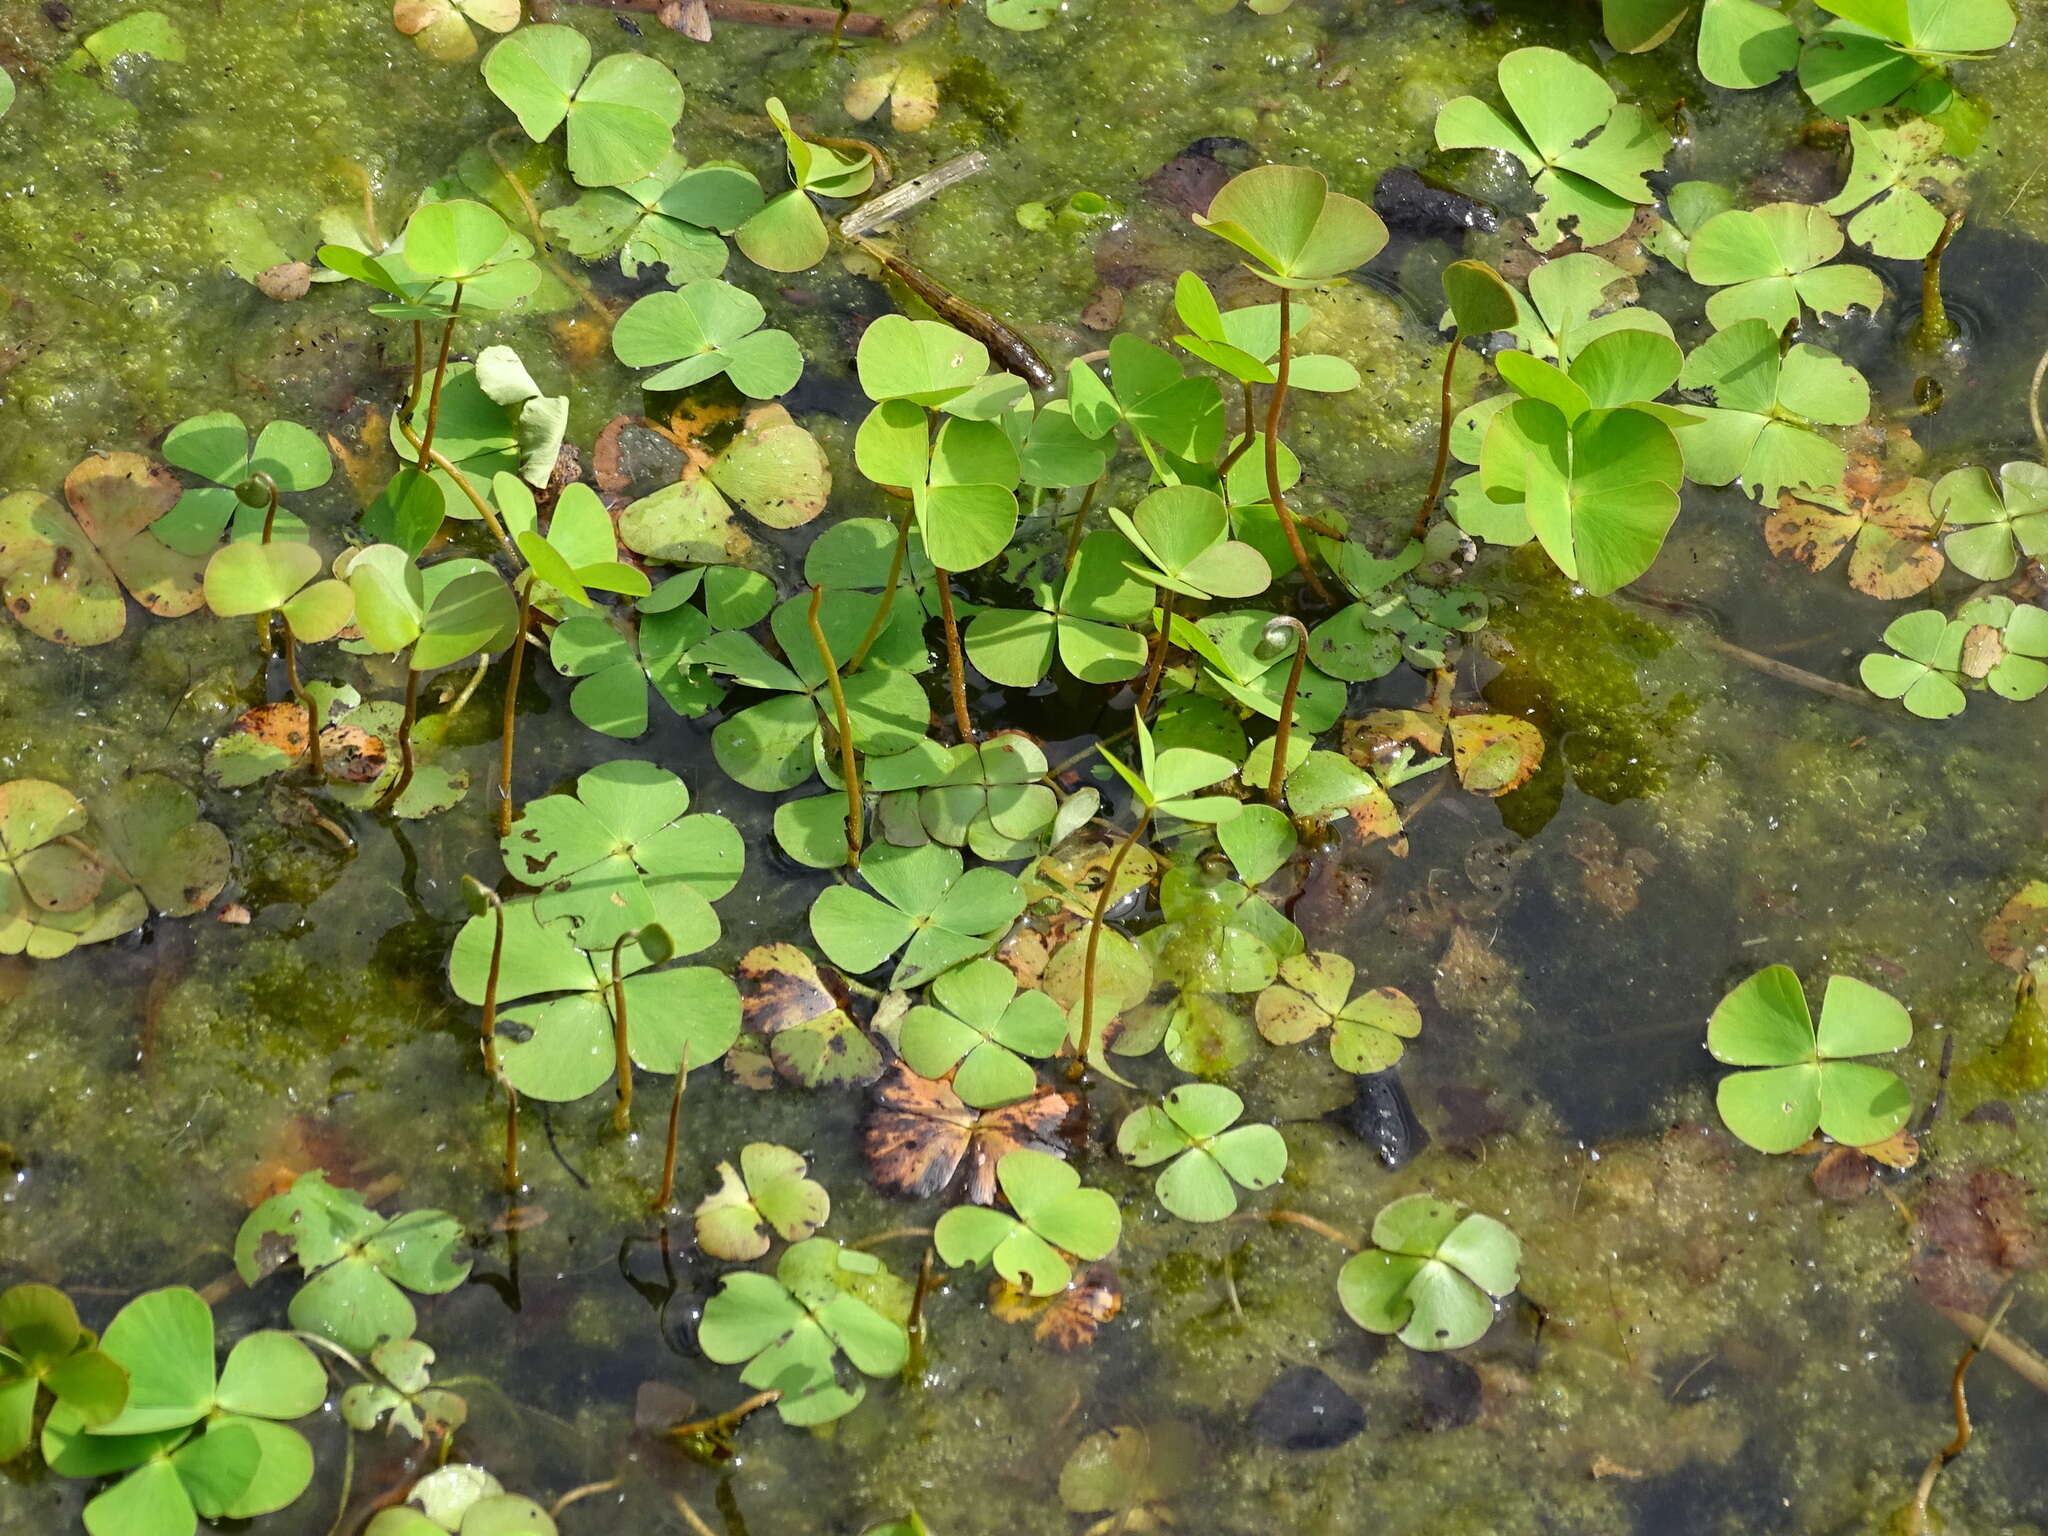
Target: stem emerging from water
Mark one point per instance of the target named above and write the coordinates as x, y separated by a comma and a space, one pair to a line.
849, 768
880, 621
956, 667
440, 374
1443, 442
403, 782
291, 678
675, 1125
1934, 326
622, 1115
1278, 775
1095, 926
511, 1140
511, 716
1275, 405
489, 1026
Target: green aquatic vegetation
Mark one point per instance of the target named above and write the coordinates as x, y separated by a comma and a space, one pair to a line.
1166, 410
1573, 300
1879, 50
1167, 781
1181, 535
922, 901
621, 852
1923, 669
787, 234
702, 329
1210, 1161
1807, 1077
766, 1197
1687, 207
991, 799
43, 1349
1258, 841
1585, 152
462, 1499
1368, 1032
561, 1044
672, 218
1249, 658
358, 1265
539, 420
1773, 262
911, 1524
1129, 1476
577, 555
1992, 524
246, 474
1395, 618
1761, 430
2004, 646
193, 1439
775, 744
1481, 302
442, 29
1081, 623
790, 1328
614, 659
6, 92
1899, 189
1593, 466
1244, 342
1432, 1275
63, 567
401, 1389
772, 469
1055, 1219
621, 115
980, 1027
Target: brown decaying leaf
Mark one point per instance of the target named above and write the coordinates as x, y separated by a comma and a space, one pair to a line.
1494, 754
2018, 934
286, 281
1844, 1174
782, 987
1883, 520
1613, 878
367, 462
1068, 1320
919, 1136
749, 1064
1376, 732
349, 753
1971, 1233
115, 497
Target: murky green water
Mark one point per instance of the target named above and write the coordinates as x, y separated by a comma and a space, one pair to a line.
1718, 1349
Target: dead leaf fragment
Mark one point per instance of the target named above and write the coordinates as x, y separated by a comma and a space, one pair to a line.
920, 1136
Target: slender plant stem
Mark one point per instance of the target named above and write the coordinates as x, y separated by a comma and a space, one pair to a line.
511, 1140
731, 1419
1274, 407
511, 716
913, 1364
849, 766
1080, 522
1155, 666
1095, 927
574, 284
675, 1126
440, 375
622, 1114
489, 1026
419, 368
270, 511
1278, 775
1916, 1513
1934, 326
1443, 442
440, 461
880, 621
291, 678
403, 782
1251, 431
956, 666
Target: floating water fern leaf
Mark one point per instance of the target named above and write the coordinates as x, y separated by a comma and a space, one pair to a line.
768, 1196
1054, 1217
44, 1349
1432, 1275
621, 114
1807, 1078
1209, 1160
1313, 993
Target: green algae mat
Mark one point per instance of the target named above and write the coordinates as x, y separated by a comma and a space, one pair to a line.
1000, 766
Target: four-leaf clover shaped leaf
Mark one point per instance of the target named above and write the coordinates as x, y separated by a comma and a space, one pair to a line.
358, 1264
251, 577
1054, 1217
1761, 429
1808, 1079
990, 797
1083, 622
2005, 646
1191, 1126
1880, 49
1992, 525
563, 1044
923, 905
768, 1193
620, 853
1769, 262
621, 115
1924, 667
789, 1328
702, 329
218, 448
42, 1346
1587, 155
1165, 782
978, 1021
198, 1444
672, 217
787, 235
1882, 519
1432, 1274
1314, 993
1182, 537
1892, 171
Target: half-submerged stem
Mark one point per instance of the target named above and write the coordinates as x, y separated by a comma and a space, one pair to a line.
511, 1140
488, 1028
440, 374
1274, 406
291, 679
1278, 775
1155, 665
849, 767
510, 721
880, 621
956, 666
1443, 442
675, 1125
403, 782
1095, 926
1934, 326
622, 1114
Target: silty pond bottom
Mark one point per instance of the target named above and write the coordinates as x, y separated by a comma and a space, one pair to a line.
1692, 1334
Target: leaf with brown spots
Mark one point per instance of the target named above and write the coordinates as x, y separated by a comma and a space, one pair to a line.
920, 1136
1068, 1319
272, 737
54, 582
1884, 522
115, 497
1073, 873
812, 1039
1971, 1233
1494, 753
2018, 934
1372, 735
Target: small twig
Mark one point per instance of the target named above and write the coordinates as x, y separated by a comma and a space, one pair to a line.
1916, 1514
691, 1518
588, 1490
1305, 1222
890, 1236
732, 1418
2009, 1352
903, 197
